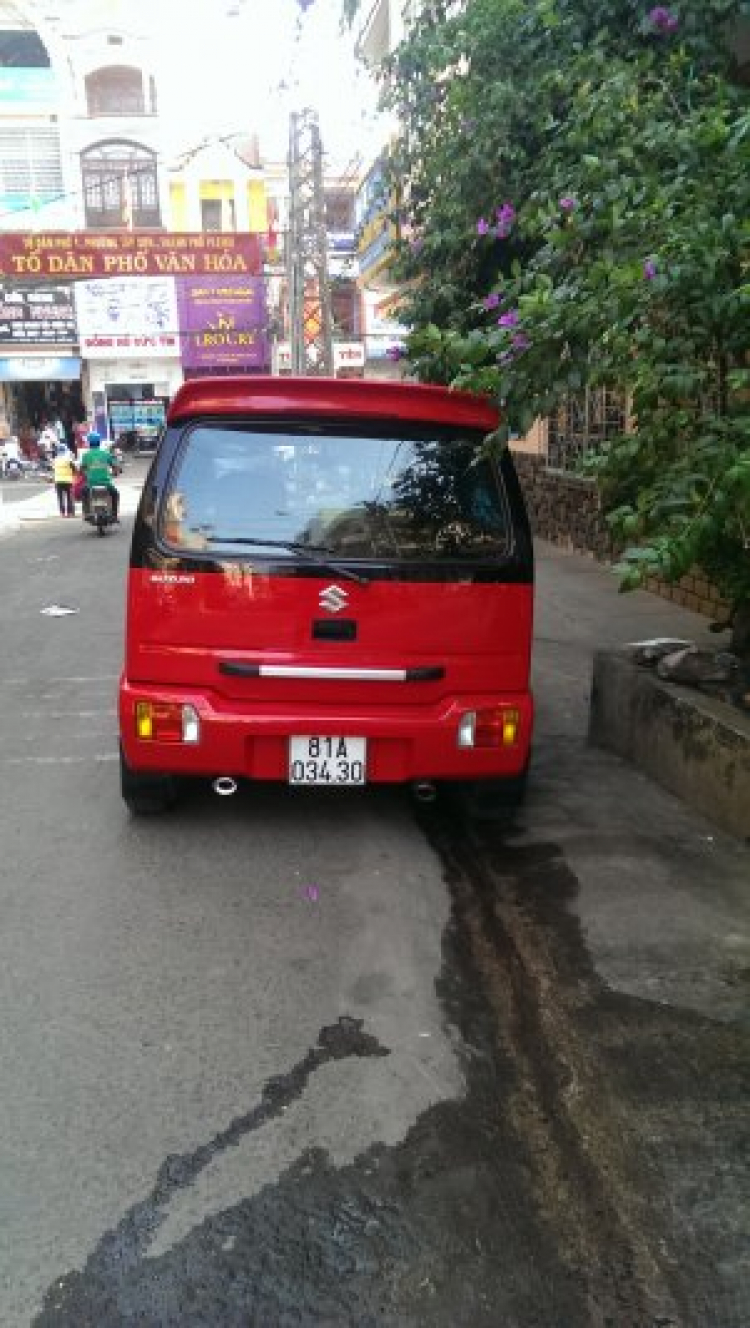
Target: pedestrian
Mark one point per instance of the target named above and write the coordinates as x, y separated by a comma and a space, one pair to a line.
48, 441
62, 466
81, 432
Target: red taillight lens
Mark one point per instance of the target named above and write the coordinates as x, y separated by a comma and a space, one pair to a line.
496, 728
167, 723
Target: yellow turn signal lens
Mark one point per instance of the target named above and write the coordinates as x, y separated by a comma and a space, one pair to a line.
510, 727
144, 719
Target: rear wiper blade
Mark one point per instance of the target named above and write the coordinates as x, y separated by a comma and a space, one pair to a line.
308, 551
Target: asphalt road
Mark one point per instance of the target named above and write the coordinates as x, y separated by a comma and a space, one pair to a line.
465, 1080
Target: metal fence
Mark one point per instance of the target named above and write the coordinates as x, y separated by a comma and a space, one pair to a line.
582, 422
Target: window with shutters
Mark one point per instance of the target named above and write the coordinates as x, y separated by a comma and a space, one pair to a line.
211, 214
582, 424
115, 90
120, 186
30, 166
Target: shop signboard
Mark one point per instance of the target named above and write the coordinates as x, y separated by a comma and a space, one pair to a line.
133, 316
382, 327
348, 358
36, 256
223, 323
37, 315
26, 87
39, 368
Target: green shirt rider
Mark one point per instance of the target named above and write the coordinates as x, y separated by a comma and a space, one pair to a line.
97, 468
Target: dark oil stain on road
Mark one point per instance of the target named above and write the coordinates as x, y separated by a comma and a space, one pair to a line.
542, 1198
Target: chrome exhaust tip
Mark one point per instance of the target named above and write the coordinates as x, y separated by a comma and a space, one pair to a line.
424, 791
224, 786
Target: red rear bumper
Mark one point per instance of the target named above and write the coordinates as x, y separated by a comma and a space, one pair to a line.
404, 742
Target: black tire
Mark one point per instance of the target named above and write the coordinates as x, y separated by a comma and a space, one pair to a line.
146, 795
496, 800
100, 528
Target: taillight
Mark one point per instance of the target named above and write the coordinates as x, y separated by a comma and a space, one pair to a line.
497, 726
160, 721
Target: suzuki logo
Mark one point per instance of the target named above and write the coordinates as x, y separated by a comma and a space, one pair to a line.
333, 598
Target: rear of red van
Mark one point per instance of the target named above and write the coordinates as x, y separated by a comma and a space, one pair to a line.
331, 583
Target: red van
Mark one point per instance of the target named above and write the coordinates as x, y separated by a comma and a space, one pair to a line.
331, 583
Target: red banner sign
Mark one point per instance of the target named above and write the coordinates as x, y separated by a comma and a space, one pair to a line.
74, 254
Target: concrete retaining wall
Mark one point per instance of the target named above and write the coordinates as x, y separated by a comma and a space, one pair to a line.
696, 747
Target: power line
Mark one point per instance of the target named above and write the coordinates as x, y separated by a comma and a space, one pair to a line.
169, 162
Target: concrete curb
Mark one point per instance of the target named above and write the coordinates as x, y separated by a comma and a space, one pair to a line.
696, 747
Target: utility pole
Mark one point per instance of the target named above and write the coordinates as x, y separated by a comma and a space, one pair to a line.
310, 319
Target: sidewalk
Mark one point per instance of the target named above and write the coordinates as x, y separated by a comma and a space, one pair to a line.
9, 521
43, 506
578, 610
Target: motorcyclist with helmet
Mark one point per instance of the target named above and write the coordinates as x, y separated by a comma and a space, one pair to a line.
97, 467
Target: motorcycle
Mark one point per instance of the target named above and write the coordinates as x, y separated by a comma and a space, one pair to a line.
98, 510
13, 469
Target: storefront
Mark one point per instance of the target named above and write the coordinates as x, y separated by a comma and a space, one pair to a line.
129, 336
127, 399
40, 370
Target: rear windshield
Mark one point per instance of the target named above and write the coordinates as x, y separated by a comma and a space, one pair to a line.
416, 498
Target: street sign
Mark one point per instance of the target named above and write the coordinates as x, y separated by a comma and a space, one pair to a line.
81, 254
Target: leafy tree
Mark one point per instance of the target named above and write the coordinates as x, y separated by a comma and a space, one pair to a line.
574, 187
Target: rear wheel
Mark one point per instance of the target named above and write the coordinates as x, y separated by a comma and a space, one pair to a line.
497, 800
146, 794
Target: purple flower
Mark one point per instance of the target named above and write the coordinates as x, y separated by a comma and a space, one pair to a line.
312, 893
483, 226
649, 269
520, 342
508, 320
492, 301
506, 215
662, 19
568, 204
396, 353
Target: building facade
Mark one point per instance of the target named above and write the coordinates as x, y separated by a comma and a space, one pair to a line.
80, 149
40, 367
384, 26
84, 149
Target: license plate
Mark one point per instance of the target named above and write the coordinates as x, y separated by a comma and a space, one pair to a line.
326, 760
